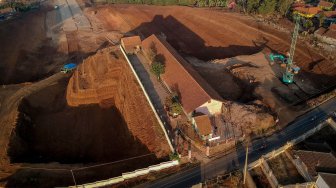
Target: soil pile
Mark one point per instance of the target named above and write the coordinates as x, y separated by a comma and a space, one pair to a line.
95, 81
250, 118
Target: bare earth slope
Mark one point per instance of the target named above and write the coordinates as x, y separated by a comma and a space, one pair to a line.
40, 129
211, 34
106, 79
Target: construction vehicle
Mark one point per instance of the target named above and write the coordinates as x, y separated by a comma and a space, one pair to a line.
68, 68
291, 68
276, 57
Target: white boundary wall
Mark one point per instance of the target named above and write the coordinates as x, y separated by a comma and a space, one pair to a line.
148, 99
129, 175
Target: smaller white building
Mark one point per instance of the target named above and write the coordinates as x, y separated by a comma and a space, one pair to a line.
203, 126
210, 107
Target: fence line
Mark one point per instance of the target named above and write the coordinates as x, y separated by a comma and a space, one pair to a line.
148, 99
129, 175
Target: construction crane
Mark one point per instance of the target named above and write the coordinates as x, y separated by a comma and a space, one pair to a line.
291, 68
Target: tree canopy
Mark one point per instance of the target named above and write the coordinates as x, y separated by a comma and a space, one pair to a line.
157, 68
176, 108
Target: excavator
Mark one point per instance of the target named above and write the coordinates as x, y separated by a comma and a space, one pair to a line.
276, 57
290, 68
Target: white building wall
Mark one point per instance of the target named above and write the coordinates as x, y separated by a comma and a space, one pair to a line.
210, 108
320, 183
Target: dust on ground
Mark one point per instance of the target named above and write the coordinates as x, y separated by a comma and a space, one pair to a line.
254, 86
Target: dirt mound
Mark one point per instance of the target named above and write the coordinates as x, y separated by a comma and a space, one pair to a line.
250, 118
96, 80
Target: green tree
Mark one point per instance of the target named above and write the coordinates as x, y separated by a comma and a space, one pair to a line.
176, 108
267, 7
174, 156
242, 5
307, 24
283, 6
252, 6
157, 68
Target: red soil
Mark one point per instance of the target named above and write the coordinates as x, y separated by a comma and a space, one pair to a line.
212, 34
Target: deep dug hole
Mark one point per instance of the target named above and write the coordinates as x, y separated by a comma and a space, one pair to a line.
48, 130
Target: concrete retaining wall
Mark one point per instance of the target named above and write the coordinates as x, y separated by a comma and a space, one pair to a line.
130, 175
148, 99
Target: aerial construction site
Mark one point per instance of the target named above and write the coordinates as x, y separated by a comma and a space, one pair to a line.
92, 90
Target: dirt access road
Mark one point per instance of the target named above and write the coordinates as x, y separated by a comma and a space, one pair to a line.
213, 34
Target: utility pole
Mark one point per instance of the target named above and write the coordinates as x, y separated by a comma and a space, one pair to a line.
245, 167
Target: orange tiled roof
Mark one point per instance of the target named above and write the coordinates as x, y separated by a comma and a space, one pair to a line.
130, 43
298, 4
203, 124
332, 27
179, 75
308, 10
325, 4
330, 14
133, 40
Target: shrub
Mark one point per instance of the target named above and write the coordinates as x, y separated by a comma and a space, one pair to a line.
157, 68
176, 108
174, 156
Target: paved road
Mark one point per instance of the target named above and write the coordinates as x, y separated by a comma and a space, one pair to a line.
235, 159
